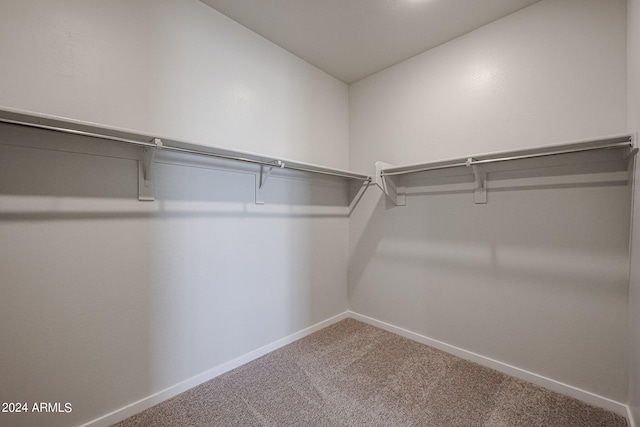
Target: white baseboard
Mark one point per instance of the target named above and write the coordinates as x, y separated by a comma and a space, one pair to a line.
566, 389
154, 399
149, 401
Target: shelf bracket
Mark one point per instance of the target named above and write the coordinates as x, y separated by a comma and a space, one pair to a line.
261, 180
632, 164
146, 166
390, 185
480, 191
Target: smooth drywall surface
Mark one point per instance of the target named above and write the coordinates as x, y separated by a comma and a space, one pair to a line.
554, 72
538, 277
172, 68
105, 300
633, 115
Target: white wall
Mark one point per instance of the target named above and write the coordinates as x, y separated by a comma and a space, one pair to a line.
633, 122
171, 68
538, 277
106, 300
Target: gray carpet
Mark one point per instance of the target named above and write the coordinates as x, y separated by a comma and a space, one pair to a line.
352, 374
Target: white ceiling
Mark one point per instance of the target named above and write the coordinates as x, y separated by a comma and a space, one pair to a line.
351, 39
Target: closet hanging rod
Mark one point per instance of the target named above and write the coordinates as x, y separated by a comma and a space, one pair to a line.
77, 132
471, 161
303, 167
273, 163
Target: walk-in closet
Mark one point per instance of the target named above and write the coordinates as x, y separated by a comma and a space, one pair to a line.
292, 212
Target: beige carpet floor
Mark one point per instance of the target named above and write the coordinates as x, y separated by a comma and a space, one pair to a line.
352, 374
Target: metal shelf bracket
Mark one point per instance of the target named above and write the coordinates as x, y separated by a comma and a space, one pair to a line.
261, 180
146, 166
480, 191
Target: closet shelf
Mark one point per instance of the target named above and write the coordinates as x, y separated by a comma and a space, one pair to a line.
614, 151
150, 144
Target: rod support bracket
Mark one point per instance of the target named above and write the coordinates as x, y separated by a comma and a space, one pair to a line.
146, 168
261, 179
391, 185
480, 190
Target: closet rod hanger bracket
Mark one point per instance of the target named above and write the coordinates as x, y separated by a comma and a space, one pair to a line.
391, 186
261, 179
480, 191
146, 167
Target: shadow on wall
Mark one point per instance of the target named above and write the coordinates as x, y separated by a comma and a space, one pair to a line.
536, 278
552, 222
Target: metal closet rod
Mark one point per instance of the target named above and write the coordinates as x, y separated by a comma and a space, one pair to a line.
77, 132
271, 163
470, 161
